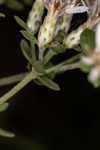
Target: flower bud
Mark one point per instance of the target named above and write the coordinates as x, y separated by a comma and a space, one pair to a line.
35, 15
74, 37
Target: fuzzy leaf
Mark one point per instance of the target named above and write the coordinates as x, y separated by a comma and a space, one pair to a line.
37, 82
49, 83
21, 22
87, 40
26, 50
28, 36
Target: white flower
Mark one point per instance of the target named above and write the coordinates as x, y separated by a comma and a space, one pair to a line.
93, 59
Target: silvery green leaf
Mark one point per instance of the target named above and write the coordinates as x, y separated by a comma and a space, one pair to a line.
26, 50
21, 22
87, 40
28, 36
6, 133
49, 83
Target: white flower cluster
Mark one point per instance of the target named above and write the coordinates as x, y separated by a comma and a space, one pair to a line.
59, 15
57, 9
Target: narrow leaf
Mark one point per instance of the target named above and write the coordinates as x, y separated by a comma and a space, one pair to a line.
26, 50
21, 22
6, 133
28, 36
49, 83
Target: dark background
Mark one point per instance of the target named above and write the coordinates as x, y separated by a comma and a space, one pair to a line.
40, 117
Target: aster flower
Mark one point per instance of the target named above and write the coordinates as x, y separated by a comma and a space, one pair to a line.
93, 19
93, 59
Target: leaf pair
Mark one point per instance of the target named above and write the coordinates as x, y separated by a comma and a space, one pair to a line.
29, 53
28, 50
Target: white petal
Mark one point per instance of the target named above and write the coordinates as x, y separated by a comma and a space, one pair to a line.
98, 37
87, 60
94, 74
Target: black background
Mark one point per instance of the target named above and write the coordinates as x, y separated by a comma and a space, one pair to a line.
40, 117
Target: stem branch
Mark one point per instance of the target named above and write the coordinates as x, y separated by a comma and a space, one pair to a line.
18, 87
68, 67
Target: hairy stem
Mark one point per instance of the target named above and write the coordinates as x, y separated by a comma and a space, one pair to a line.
68, 67
59, 66
18, 87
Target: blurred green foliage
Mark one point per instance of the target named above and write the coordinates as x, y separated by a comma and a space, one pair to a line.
16, 4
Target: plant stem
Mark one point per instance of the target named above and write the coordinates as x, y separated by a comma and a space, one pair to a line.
70, 60
68, 67
32, 75
12, 79
48, 56
18, 87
